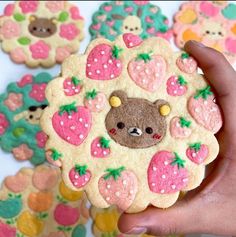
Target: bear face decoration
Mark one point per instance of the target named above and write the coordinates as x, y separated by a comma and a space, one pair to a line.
42, 27
136, 122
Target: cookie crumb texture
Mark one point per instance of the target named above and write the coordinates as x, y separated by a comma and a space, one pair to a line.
36, 203
140, 18
41, 33
211, 22
140, 127
21, 107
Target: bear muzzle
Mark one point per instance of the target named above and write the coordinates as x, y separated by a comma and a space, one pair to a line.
135, 132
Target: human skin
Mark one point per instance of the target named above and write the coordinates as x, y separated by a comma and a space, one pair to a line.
211, 208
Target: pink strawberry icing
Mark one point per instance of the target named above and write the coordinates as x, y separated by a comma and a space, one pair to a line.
198, 157
3, 123
40, 50
97, 150
97, 104
6, 230
78, 180
187, 65
209, 9
66, 215
69, 31
174, 88
149, 75
13, 101
38, 92
62, 53
230, 45
25, 80
41, 139
9, 9
18, 55
55, 6
22, 152
177, 131
28, 6
70, 89
75, 14
164, 177
10, 29
131, 40
57, 163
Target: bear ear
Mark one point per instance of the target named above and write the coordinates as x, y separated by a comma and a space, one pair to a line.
163, 107
118, 98
54, 20
32, 18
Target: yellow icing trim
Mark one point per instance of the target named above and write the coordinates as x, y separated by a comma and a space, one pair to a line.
115, 101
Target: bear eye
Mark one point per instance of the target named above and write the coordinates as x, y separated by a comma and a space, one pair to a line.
34, 28
126, 27
120, 125
149, 130
208, 32
48, 30
136, 28
31, 116
220, 33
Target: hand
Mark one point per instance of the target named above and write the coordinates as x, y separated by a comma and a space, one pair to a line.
212, 207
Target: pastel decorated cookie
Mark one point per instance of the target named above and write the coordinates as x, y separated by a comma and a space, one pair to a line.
36, 203
20, 109
211, 22
40, 33
140, 18
140, 128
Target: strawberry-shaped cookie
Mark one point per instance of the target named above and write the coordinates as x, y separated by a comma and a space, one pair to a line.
176, 86
166, 173
100, 147
180, 127
204, 110
197, 152
118, 187
131, 40
72, 123
186, 63
103, 62
79, 176
147, 71
95, 101
72, 86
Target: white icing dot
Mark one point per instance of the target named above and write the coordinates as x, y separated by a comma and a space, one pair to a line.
69, 117
175, 172
194, 155
172, 83
108, 186
213, 109
75, 183
118, 64
68, 138
98, 71
205, 102
90, 102
185, 180
131, 191
102, 52
80, 119
177, 124
104, 153
88, 65
62, 123
147, 71
68, 83
98, 106
86, 179
117, 194
162, 191
131, 44
186, 132
158, 64
95, 60
76, 90
157, 74
181, 87
173, 186
112, 75
110, 61
138, 67
105, 66
76, 176
99, 99
95, 153
90, 73
98, 145
81, 136
107, 198
124, 182
72, 127
197, 110
163, 176
166, 163
73, 87
86, 125
154, 168
153, 184
175, 91
144, 81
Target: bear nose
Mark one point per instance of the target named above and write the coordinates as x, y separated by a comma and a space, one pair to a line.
135, 132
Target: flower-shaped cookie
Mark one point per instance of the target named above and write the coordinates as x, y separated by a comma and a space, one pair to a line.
20, 109
211, 22
137, 17
139, 126
41, 33
36, 202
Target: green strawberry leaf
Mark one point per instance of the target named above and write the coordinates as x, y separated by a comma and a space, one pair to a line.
104, 142
115, 173
76, 81
195, 146
24, 41
68, 108
19, 17
184, 122
178, 161
204, 93
184, 55
116, 52
81, 169
55, 154
144, 56
91, 94
182, 81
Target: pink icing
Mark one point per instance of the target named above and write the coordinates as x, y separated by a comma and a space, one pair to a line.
198, 157
73, 128
129, 9
38, 92
131, 40
22, 152
10, 29
97, 104
78, 180
230, 45
141, 3
17, 183
164, 177
55, 6
66, 215
70, 89
75, 14
6, 230
110, 23
177, 131
167, 35
206, 113
96, 26
40, 50
69, 31
120, 192
25, 80
101, 65
9, 9
149, 75
187, 65
41, 139
209, 9
107, 8
174, 88
18, 55
28, 6
151, 30
13, 101
97, 150
62, 53
148, 19
3, 123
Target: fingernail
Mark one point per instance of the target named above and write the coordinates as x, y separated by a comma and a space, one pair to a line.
137, 230
199, 44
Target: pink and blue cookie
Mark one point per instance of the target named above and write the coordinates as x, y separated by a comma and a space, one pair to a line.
211, 22
137, 17
20, 109
41, 33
